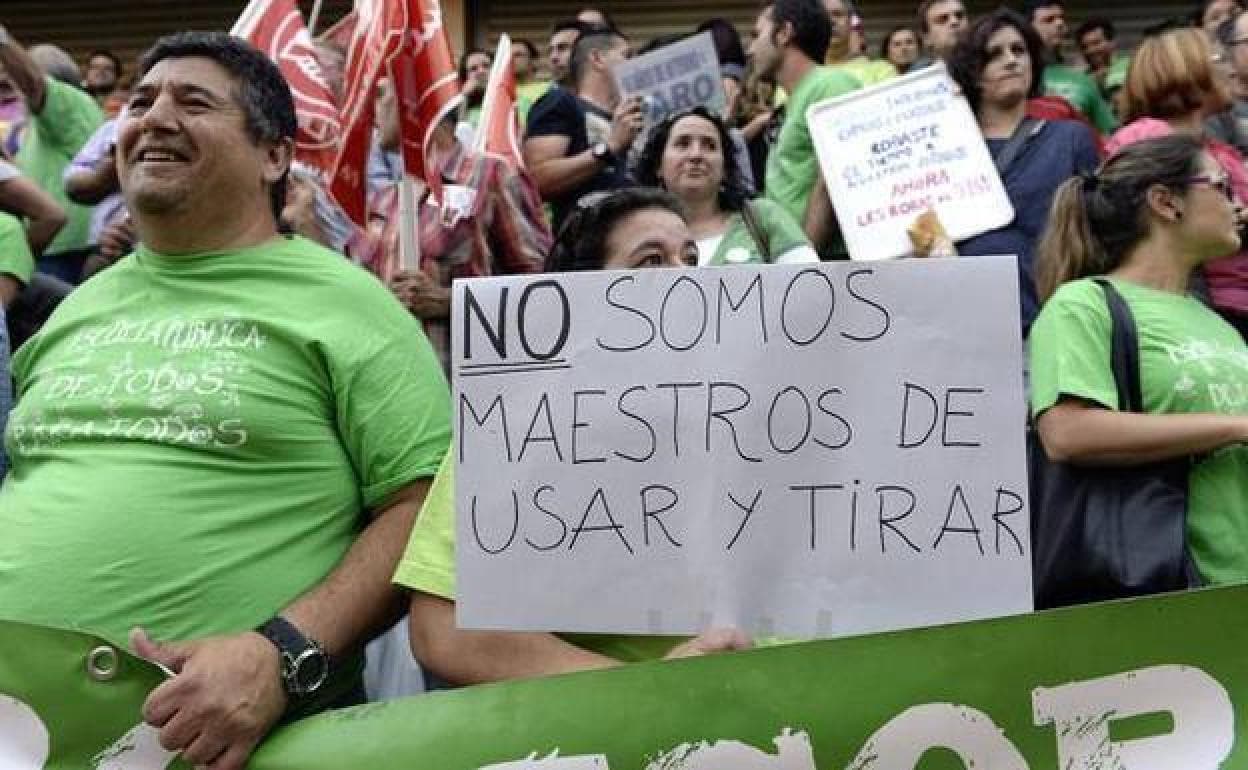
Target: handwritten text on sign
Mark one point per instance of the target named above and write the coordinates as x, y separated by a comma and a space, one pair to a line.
674, 78
892, 152
806, 451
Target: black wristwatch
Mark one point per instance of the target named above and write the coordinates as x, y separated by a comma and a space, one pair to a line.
602, 153
305, 664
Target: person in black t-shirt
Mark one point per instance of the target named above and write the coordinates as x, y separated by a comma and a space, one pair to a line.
578, 140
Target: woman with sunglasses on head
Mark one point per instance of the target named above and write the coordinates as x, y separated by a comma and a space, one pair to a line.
1173, 87
690, 155
1152, 214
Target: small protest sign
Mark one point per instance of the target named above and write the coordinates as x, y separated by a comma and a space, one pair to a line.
796, 450
892, 152
674, 78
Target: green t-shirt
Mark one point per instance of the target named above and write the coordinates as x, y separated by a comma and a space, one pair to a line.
198, 439
1191, 361
428, 565
784, 237
52, 139
527, 96
15, 256
792, 167
868, 72
1082, 93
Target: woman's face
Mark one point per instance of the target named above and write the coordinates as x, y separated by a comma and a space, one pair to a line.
1210, 225
693, 158
653, 237
903, 49
1215, 13
1007, 74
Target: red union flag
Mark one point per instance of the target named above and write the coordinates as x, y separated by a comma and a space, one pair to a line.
379, 29
276, 27
499, 133
426, 84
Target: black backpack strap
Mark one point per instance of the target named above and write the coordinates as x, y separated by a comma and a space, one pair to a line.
1124, 350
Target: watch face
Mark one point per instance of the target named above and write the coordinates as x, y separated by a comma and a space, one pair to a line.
308, 672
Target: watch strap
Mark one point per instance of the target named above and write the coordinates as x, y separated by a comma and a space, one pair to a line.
292, 646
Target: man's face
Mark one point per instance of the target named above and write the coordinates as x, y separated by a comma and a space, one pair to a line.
1050, 24
838, 13
561, 45
1215, 14
764, 53
101, 75
477, 69
521, 61
945, 22
1096, 48
182, 146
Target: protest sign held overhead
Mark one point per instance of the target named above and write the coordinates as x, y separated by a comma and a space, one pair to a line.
674, 78
892, 153
804, 451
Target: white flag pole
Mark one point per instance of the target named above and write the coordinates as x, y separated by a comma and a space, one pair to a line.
314, 17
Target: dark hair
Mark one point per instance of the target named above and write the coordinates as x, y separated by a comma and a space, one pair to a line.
262, 93
1097, 219
564, 25
593, 39
117, 69
1031, 6
528, 46
582, 242
732, 191
1091, 25
812, 28
727, 41
970, 56
463, 61
888, 39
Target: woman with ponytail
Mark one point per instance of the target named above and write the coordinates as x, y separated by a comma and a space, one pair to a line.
1152, 214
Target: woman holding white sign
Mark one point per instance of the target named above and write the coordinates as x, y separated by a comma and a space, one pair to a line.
999, 64
685, 155
1156, 211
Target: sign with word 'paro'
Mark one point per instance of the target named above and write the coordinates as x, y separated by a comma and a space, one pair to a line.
674, 78
893, 152
807, 451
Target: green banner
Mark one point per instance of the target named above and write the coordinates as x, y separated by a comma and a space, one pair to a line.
1143, 685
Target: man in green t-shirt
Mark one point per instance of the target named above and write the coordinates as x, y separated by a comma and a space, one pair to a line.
223, 438
841, 54
1049, 19
62, 119
790, 40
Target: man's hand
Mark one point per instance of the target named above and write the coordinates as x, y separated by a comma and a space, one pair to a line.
420, 294
626, 124
714, 640
225, 695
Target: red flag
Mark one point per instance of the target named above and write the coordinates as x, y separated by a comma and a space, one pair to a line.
378, 36
276, 27
426, 84
499, 132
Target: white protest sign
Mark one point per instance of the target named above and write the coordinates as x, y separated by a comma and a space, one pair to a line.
674, 78
798, 450
890, 153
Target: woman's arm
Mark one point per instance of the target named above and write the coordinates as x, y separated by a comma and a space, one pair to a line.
44, 216
1078, 432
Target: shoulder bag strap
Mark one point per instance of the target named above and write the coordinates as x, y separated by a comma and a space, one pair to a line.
1124, 350
1013, 147
756, 230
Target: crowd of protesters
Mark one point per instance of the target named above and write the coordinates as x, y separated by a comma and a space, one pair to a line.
138, 202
